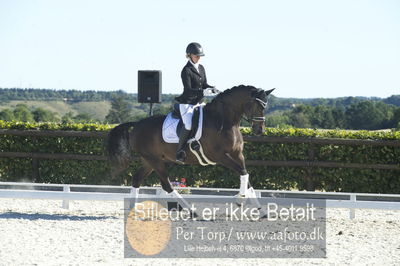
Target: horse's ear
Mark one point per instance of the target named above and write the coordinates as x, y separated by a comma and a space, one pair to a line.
268, 92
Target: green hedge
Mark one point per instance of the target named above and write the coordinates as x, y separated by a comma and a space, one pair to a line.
97, 172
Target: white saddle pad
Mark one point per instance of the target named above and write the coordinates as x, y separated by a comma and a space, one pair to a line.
170, 124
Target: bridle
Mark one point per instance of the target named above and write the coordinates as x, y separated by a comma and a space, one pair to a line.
258, 119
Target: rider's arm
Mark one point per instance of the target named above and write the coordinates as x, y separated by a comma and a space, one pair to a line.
185, 79
205, 84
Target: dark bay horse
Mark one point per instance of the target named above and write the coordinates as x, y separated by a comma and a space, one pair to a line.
221, 139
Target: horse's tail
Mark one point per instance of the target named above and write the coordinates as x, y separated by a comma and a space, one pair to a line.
119, 147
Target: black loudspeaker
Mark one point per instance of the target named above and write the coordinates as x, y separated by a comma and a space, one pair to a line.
149, 86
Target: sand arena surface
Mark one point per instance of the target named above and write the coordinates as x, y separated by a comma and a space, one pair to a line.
40, 232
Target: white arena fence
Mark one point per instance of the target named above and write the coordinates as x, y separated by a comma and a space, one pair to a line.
68, 192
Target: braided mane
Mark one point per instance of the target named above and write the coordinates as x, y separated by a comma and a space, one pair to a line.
228, 92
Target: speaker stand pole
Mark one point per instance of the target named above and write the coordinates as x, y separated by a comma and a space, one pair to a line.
151, 109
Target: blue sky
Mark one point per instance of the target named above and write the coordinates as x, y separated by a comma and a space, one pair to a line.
307, 48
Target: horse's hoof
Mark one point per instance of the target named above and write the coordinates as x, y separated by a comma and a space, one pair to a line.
263, 214
240, 199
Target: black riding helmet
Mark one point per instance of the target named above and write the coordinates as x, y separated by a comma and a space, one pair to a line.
195, 49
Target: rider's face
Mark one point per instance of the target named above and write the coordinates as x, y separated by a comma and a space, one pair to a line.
194, 58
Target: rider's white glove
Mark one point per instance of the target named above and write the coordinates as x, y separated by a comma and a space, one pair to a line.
211, 92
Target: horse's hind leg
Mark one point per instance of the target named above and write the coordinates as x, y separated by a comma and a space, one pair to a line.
161, 170
142, 173
138, 177
159, 167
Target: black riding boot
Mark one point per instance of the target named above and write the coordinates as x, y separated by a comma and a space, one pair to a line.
183, 138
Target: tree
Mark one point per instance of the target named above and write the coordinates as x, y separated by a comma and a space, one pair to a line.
67, 118
300, 116
368, 115
22, 113
162, 109
339, 117
83, 118
322, 117
42, 115
394, 99
7, 115
395, 122
276, 120
120, 111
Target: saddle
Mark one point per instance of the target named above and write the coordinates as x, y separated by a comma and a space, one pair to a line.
173, 125
195, 120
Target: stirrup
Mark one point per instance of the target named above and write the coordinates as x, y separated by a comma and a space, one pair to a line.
195, 145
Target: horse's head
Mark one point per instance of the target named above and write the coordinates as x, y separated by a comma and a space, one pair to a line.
254, 110
230, 106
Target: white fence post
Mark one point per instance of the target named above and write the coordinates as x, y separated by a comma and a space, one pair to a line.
161, 192
353, 198
65, 203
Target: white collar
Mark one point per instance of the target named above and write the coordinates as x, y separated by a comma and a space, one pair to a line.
195, 65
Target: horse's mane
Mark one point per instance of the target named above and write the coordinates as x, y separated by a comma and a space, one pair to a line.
228, 92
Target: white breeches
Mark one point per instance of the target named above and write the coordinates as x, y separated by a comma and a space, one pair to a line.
187, 114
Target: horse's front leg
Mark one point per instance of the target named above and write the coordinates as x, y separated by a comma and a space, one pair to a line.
236, 163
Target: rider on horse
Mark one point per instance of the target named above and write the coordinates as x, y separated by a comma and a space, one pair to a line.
194, 82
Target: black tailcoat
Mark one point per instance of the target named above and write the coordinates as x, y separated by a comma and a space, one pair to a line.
193, 84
